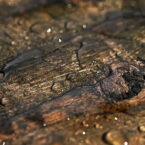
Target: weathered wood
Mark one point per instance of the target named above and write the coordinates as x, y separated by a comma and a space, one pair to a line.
68, 74
21, 7
86, 99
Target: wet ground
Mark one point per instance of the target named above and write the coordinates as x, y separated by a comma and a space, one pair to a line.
51, 50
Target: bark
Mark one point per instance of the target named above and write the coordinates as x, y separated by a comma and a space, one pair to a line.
93, 71
21, 7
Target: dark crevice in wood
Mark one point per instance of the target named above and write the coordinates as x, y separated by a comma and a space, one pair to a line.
78, 59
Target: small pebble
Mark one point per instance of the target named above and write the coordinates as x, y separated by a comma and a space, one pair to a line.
57, 87
115, 137
68, 118
85, 124
26, 38
142, 128
13, 43
71, 25
88, 141
4, 101
77, 132
72, 139
97, 117
97, 125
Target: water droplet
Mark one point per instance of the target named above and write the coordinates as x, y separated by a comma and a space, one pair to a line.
13, 43
84, 26
115, 118
44, 125
59, 40
125, 143
83, 132
49, 30
115, 137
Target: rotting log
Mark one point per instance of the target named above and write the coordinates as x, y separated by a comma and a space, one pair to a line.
73, 87
95, 71
120, 90
21, 7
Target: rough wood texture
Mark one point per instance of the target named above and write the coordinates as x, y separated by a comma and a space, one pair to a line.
118, 86
9, 8
57, 68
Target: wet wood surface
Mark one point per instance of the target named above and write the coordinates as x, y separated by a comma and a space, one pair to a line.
58, 69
